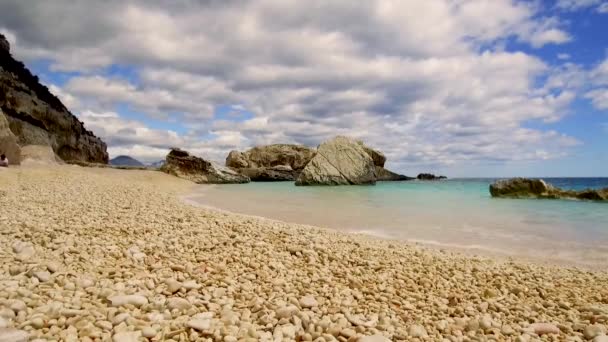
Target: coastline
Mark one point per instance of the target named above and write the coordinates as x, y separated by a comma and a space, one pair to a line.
144, 263
196, 196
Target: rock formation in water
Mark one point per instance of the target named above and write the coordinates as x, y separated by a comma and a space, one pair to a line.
383, 174
37, 117
125, 161
8, 142
379, 159
278, 162
430, 176
538, 188
339, 161
181, 164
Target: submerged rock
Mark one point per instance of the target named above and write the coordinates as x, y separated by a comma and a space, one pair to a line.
339, 161
538, 188
278, 162
181, 164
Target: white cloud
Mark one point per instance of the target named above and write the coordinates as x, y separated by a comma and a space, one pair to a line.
563, 56
599, 81
573, 5
601, 6
599, 97
425, 81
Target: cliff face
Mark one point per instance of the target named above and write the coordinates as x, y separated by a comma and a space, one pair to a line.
37, 117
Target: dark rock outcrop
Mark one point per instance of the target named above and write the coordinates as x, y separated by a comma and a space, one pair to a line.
429, 176
269, 174
5, 46
384, 175
181, 164
538, 188
339, 161
125, 161
37, 117
278, 162
8, 142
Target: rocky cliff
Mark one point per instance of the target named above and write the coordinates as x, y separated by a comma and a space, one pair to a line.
8, 141
37, 117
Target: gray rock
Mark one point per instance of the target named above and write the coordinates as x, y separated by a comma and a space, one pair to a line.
294, 156
278, 162
378, 157
181, 164
339, 161
236, 159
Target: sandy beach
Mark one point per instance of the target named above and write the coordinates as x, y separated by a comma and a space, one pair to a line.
115, 255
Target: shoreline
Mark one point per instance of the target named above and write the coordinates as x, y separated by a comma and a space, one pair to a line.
118, 255
472, 250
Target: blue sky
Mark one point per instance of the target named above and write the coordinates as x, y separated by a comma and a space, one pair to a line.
469, 88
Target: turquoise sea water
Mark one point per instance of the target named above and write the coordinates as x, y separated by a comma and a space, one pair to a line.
457, 213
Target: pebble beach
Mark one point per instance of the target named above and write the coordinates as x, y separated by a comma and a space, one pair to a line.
114, 255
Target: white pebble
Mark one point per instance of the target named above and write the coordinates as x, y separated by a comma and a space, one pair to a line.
199, 324
126, 336
43, 276
308, 302
135, 300
417, 331
148, 332
13, 335
544, 328
373, 338
178, 303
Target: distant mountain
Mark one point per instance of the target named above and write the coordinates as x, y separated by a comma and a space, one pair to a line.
125, 161
157, 164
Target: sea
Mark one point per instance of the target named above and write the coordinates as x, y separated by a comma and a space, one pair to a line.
457, 214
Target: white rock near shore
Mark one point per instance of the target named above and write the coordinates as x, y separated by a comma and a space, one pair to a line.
68, 272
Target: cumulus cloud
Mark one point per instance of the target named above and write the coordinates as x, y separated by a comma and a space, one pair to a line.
425, 81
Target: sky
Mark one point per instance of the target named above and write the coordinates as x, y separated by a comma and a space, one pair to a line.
457, 87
